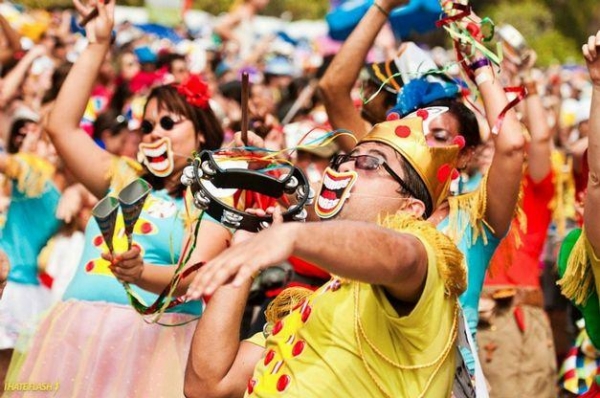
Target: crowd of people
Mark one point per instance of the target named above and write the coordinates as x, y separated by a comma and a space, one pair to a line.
450, 250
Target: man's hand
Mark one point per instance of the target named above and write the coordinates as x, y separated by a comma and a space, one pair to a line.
245, 258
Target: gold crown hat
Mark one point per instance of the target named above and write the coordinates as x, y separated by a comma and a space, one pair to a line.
435, 165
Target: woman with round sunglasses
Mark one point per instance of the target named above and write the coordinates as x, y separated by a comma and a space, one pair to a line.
93, 342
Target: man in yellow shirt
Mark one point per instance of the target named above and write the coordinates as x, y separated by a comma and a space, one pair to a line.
387, 323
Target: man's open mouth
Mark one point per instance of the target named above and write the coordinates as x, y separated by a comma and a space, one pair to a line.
335, 189
158, 157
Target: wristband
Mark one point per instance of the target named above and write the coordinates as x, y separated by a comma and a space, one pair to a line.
380, 8
480, 63
531, 88
482, 78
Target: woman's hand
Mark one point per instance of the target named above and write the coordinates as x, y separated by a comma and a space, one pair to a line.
99, 29
127, 266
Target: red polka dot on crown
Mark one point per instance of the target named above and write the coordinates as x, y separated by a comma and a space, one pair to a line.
423, 114
444, 172
393, 116
402, 131
455, 174
460, 141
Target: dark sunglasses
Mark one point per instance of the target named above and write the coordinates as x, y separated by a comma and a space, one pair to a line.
166, 123
371, 163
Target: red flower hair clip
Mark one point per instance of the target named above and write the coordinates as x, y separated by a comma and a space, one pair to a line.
195, 90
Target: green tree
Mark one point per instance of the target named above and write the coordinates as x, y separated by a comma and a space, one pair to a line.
537, 24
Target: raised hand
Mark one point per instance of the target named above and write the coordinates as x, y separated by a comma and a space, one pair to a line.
591, 52
98, 30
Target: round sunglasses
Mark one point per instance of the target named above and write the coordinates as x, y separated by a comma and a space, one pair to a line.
166, 123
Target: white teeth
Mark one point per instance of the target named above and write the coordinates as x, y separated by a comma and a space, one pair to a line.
160, 166
335, 185
156, 152
328, 204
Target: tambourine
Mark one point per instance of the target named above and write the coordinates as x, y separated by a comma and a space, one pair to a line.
204, 168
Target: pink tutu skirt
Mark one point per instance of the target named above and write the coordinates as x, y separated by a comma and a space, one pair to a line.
96, 349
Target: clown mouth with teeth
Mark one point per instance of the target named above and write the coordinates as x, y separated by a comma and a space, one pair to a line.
335, 190
157, 157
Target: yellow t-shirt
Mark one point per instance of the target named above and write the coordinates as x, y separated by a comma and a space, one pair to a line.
319, 351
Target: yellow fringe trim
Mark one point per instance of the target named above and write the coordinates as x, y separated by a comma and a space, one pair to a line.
578, 281
450, 261
285, 302
30, 172
122, 171
563, 202
472, 204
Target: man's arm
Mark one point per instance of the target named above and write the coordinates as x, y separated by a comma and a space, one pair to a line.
219, 365
339, 79
354, 250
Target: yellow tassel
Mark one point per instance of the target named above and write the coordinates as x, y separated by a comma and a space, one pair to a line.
472, 204
450, 261
31, 173
578, 281
122, 171
285, 302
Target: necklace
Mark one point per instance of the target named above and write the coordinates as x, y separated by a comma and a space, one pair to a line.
360, 334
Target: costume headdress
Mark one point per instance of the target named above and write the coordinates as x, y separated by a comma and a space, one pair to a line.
435, 165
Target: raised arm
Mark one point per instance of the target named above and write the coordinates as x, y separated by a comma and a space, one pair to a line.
14, 78
539, 163
396, 261
87, 161
506, 169
13, 40
591, 52
339, 79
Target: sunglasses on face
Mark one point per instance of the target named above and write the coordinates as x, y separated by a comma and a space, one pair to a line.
165, 122
370, 163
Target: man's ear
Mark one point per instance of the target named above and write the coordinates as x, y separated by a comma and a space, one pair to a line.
414, 206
